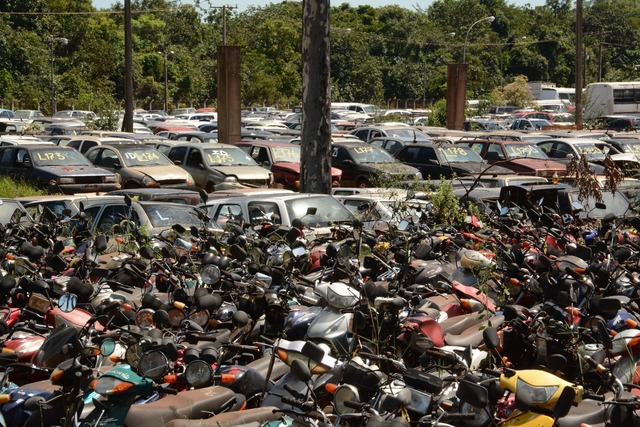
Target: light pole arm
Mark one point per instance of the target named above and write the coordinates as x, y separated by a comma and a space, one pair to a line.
466, 38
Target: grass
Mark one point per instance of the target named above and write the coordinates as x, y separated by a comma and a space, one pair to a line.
11, 188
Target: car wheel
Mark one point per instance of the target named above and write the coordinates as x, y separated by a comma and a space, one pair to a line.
362, 182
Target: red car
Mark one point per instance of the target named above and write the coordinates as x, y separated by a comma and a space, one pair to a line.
520, 156
283, 160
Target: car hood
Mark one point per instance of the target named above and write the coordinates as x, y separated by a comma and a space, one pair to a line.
539, 164
295, 168
477, 167
244, 172
75, 170
392, 168
162, 173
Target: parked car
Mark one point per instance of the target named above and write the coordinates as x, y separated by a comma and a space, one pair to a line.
533, 115
28, 114
83, 143
481, 124
76, 114
407, 133
57, 169
211, 164
283, 160
318, 212
391, 145
626, 145
519, 156
436, 161
364, 165
194, 136
22, 140
7, 114
618, 122
171, 195
564, 149
529, 124
139, 165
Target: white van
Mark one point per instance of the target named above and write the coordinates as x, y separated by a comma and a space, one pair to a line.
366, 109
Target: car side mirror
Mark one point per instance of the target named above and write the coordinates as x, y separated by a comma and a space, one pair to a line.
117, 165
201, 166
177, 162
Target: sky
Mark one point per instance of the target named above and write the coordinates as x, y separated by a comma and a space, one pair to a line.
243, 4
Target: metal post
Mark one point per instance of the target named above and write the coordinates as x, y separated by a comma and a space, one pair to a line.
579, 65
53, 86
166, 86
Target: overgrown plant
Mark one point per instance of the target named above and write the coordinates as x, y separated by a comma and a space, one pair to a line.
446, 207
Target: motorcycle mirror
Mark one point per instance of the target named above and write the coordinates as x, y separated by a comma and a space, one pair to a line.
510, 313
153, 365
491, 339
34, 403
107, 347
313, 351
403, 225
601, 333
564, 403
128, 200
240, 319
161, 318
171, 350
90, 351
300, 371
424, 343
466, 355
474, 394
292, 235
360, 320
100, 243
147, 253
166, 253
556, 362
178, 228
238, 253
609, 307
547, 221
194, 231
67, 302
58, 246
204, 196
600, 205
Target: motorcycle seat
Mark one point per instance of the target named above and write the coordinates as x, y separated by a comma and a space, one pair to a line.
456, 325
473, 335
256, 415
262, 365
587, 411
191, 404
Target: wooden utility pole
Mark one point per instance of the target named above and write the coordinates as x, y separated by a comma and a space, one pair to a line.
127, 122
315, 168
579, 65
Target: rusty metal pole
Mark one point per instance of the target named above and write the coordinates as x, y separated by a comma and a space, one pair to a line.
579, 66
127, 122
229, 116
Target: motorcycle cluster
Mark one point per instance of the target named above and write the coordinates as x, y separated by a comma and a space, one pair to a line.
531, 321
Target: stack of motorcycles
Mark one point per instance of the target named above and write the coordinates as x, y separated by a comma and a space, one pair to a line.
532, 321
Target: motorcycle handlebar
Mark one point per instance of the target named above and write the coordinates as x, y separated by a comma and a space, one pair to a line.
304, 406
593, 396
493, 372
241, 347
458, 416
353, 405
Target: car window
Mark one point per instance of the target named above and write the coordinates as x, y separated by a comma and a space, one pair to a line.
494, 152
260, 212
477, 147
92, 156
409, 154
368, 214
74, 144
194, 159
226, 212
88, 144
23, 156
339, 154
562, 150
177, 153
362, 134
111, 216
108, 158
428, 153
6, 157
260, 155
377, 142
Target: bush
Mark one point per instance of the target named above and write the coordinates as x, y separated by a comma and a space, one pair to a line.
10, 188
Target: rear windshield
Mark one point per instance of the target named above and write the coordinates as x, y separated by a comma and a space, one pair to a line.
162, 215
58, 157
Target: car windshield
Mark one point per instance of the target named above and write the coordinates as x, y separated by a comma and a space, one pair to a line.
318, 211
25, 114
58, 157
166, 215
524, 150
144, 157
370, 154
457, 154
408, 134
286, 154
590, 151
8, 212
630, 147
227, 157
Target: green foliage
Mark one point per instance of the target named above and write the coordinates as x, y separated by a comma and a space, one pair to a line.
11, 188
446, 207
516, 93
438, 116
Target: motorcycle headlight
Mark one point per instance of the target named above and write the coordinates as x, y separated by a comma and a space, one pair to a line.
344, 393
537, 394
210, 274
110, 385
198, 374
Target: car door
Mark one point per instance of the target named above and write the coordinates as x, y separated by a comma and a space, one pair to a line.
7, 158
261, 156
194, 164
22, 167
340, 159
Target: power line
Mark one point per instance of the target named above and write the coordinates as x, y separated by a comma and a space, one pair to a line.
95, 12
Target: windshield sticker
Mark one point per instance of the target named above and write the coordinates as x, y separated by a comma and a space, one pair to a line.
363, 150
284, 153
50, 155
589, 149
142, 156
219, 156
522, 150
455, 151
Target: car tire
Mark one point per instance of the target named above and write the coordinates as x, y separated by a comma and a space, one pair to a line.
362, 182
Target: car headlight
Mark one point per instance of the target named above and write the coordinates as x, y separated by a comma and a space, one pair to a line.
189, 179
147, 181
66, 180
537, 394
110, 178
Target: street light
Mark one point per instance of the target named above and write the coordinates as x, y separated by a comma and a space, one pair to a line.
166, 82
464, 50
52, 40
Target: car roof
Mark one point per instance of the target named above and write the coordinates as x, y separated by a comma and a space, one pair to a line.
207, 145
266, 144
575, 140
47, 146
292, 195
123, 146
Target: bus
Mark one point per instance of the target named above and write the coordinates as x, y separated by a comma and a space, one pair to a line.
608, 98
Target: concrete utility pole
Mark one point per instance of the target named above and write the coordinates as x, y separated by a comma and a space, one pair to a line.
315, 158
127, 122
579, 65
